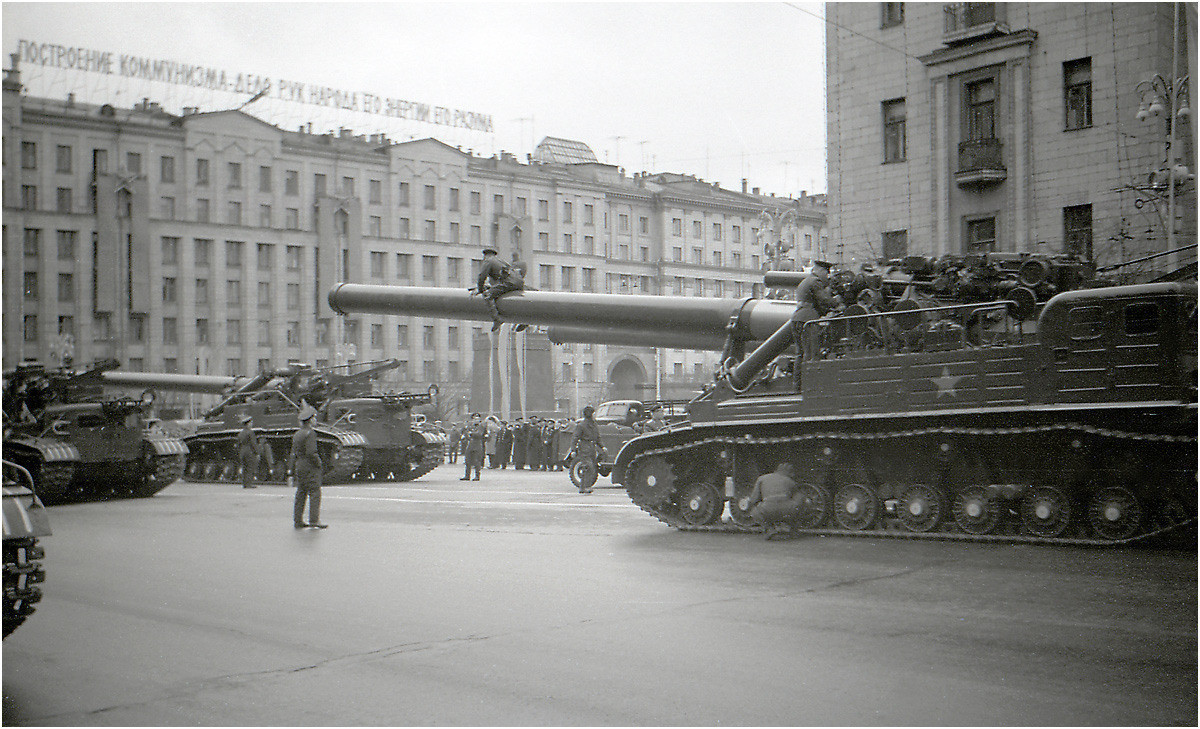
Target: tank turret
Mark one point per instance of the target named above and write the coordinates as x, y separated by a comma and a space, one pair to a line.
908, 418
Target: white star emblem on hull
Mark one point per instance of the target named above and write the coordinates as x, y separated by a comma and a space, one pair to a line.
947, 383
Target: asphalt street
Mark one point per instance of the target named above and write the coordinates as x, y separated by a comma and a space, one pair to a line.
517, 601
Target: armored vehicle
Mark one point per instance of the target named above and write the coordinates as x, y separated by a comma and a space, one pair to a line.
24, 522
955, 422
78, 444
360, 434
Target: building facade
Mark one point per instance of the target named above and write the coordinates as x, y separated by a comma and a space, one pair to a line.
207, 242
958, 128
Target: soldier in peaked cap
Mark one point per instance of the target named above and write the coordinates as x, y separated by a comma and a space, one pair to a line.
813, 301
248, 452
497, 278
305, 469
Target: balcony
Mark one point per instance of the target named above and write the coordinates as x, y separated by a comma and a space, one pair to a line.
980, 162
970, 21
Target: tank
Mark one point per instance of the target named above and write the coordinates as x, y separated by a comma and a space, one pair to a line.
25, 521
926, 421
360, 434
79, 445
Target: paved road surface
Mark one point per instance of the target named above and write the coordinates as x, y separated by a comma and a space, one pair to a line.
516, 601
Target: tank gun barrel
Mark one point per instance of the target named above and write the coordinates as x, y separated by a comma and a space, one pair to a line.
205, 384
637, 338
743, 319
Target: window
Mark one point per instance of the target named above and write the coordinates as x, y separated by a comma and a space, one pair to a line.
454, 270
168, 290
698, 256
521, 207
264, 216
643, 224
321, 334
477, 236
202, 214
567, 278
137, 327
1141, 318
63, 200
319, 185
455, 233
203, 247
1077, 93
233, 292
589, 215
717, 232
735, 234
29, 197
170, 330
292, 258
28, 155
589, 279
895, 132
1085, 322
403, 265
676, 226
264, 294
677, 254
293, 296
568, 243
716, 258
430, 230
377, 336
62, 159
401, 335
543, 209
543, 241
697, 229
1077, 230
348, 186
430, 197
427, 337
291, 182
476, 203
202, 331
233, 367
292, 218
981, 109
403, 230
623, 251
375, 192
235, 213
378, 263
981, 235
30, 327
293, 334
589, 245
623, 223
498, 203
567, 212
66, 287
233, 331
375, 226
201, 291
233, 254
453, 202
66, 325
166, 169
428, 370
736, 261
66, 245
895, 244
167, 208
201, 172
133, 163
587, 371
429, 268
546, 275
452, 337
892, 14
33, 242
31, 284
402, 194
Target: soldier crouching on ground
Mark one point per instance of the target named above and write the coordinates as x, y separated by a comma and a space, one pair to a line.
305, 471
776, 501
503, 279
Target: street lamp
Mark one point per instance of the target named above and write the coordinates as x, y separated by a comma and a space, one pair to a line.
774, 229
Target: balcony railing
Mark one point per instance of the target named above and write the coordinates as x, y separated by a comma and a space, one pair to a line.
967, 21
980, 162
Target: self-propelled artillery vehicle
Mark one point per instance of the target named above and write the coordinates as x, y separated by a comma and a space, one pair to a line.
956, 422
77, 444
359, 434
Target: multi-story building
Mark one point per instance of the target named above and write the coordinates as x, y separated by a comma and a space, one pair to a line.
957, 128
207, 242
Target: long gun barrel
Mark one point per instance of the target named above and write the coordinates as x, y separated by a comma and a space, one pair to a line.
637, 338
206, 384
742, 320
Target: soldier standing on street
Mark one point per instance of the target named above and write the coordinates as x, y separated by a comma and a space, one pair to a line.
473, 438
520, 444
452, 440
813, 301
248, 452
537, 449
304, 469
586, 445
504, 279
504, 443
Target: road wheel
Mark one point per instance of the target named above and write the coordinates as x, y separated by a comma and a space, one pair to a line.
855, 507
1046, 511
653, 481
814, 506
975, 512
700, 504
920, 508
576, 471
1114, 512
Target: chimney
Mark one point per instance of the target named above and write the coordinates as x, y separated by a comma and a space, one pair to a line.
70, 99
743, 185
756, 190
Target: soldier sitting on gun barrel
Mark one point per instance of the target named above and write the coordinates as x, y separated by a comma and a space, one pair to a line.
503, 278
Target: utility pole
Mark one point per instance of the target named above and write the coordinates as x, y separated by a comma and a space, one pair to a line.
617, 154
642, 144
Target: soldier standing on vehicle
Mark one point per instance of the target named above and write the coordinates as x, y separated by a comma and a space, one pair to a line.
304, 470
473, 440
776, 501
503, 279
813, 301
248, 453
586, 445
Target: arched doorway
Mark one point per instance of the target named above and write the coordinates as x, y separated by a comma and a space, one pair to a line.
627, 380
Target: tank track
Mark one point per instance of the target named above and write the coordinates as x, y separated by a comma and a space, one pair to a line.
348, 463
667, 512
52, 481
22, 573
165, 470
431, 458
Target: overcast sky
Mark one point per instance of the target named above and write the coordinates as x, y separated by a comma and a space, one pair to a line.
722, 91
